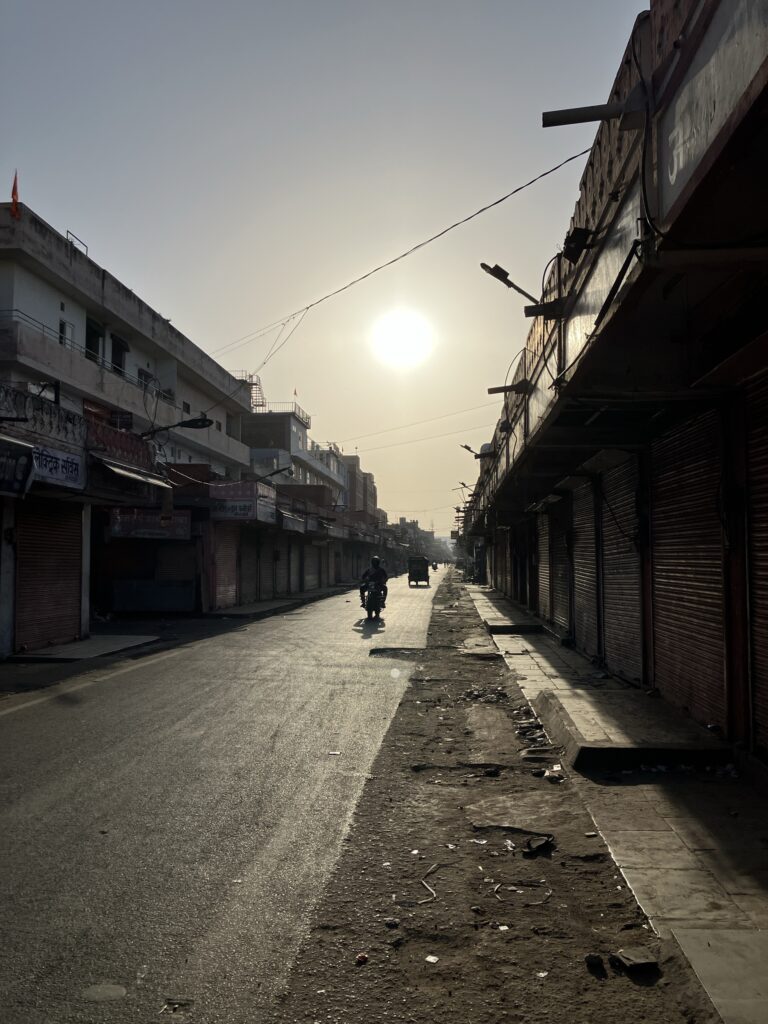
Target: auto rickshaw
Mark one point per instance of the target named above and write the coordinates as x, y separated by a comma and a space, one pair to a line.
418, 570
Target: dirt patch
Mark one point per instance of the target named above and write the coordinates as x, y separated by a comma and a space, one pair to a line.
476, 892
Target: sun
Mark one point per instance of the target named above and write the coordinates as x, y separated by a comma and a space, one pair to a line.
402, 339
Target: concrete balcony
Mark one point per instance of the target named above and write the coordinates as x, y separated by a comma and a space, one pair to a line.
28, 344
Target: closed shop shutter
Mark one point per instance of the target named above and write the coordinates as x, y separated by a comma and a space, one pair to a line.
249, 566
266, 570
543, 539
585, 570
559, 524
311, 567
689, 642
282, 553
338, 563
296, 556
176, 561
499, 561
622, 603
226, 537
49, 558
757, 463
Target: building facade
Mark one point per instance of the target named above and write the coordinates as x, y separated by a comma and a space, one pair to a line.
623, 494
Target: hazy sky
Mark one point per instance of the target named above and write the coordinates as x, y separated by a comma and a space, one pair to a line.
233, 160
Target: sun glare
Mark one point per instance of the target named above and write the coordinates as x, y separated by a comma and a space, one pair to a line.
402, 339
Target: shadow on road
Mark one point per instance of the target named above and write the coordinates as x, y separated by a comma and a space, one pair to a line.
369, 627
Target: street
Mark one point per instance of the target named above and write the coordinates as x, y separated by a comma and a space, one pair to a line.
168, 822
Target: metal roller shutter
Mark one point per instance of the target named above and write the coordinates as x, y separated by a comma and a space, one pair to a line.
296, 556
561, 570
585, 570
543, 574
226, 539
249, 566
688, 605
622, 604
49, 559
757, 462
281, 555
311, 567
176, 561
266, 570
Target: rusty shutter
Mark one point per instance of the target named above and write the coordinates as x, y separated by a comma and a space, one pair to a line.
688, 639
49, 559
226, 536
585, 621
622, 605
249, 565
757, 467
311, 567
543, 558
281, 557
559, 525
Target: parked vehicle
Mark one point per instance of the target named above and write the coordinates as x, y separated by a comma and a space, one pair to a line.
374, 596
418, 570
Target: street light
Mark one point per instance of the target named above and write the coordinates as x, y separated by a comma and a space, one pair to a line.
470, 450
283, 469
502, 275
198, 423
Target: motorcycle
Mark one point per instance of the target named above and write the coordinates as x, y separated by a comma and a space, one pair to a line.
373, 600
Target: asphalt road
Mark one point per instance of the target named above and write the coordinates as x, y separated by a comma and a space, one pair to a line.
168, 823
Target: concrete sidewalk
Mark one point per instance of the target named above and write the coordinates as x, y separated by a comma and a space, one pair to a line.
689, 835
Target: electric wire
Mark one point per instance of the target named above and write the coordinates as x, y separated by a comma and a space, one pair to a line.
432, 437
417, 423
408, 252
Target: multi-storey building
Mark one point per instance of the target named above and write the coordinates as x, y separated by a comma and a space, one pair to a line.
87, 368
624, 494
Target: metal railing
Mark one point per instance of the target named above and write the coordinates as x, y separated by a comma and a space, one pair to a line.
292, 407
153, 387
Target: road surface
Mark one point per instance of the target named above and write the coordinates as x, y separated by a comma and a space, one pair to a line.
167, 823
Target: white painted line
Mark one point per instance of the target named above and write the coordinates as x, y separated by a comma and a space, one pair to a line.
58, 690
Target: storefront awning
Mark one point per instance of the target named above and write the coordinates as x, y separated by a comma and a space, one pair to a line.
133, 472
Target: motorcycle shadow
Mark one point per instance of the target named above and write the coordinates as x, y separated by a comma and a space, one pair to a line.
368, 627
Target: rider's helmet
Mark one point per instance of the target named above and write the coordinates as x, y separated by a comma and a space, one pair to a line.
375, 561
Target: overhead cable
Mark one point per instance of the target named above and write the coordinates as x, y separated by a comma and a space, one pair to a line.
403, 255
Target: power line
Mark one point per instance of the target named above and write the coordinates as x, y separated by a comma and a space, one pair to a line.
432, 437
403, 255
418, 423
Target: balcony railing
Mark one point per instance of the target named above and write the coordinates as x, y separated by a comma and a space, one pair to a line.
292, 407
19, 316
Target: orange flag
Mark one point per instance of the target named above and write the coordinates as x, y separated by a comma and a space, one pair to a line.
15, 211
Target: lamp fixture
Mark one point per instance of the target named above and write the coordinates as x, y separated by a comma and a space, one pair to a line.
576, 241
501, 275
198, 423
470, 450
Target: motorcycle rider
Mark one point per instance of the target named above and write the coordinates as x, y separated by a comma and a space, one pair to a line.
375, 574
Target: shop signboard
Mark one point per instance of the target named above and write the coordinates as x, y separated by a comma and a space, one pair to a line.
64, 469
148, 524
16, 467
234, 509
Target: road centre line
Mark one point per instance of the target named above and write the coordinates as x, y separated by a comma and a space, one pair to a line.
59, 690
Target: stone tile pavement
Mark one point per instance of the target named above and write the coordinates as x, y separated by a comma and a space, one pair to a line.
690, 841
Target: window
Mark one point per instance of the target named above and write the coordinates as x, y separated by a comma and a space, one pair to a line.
61, 306
218, 425
119, 351
94, 336
66, 332
185, 407
145, 378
